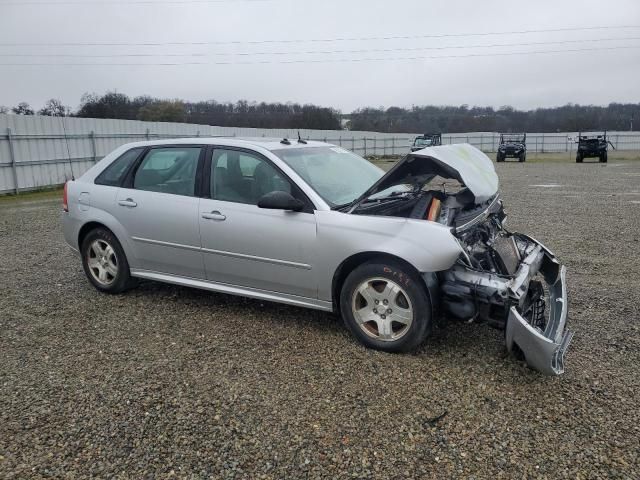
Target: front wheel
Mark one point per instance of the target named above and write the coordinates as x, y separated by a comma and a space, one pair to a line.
104, 262
386, 307
523, 157
603, 158
578, 158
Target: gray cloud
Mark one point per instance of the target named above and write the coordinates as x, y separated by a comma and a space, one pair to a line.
525, 81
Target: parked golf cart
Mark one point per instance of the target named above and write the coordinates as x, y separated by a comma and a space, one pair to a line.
512, 145
592, 146
426, 140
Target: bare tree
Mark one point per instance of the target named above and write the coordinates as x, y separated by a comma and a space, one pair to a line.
23, 108
54, 108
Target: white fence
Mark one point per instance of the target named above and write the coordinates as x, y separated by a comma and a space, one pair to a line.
37, 151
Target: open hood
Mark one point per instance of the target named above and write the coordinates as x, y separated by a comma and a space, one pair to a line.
461, 162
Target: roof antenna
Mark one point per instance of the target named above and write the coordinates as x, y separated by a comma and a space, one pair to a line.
66, 139
300, 140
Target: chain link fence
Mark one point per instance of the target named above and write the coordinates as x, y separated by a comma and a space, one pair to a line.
38, 152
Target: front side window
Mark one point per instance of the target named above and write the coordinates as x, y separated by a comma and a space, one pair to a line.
242, 177
336, 174
114, 173
168, 170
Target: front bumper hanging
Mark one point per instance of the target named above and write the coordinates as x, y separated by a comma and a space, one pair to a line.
543, 350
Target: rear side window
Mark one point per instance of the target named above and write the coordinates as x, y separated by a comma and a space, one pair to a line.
114, 173
168, 170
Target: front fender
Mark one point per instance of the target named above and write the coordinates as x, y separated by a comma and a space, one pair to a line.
427, 246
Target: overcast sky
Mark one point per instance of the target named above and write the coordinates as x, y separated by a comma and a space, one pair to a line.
253, 29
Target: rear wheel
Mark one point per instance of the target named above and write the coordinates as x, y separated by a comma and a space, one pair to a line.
386, 307
104, 262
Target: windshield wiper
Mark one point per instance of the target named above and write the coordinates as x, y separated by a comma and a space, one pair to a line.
395, 195
341, 206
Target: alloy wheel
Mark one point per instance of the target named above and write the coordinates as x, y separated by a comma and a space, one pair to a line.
382, 309
102, 262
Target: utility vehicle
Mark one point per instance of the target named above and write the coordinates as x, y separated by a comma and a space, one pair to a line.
512, 145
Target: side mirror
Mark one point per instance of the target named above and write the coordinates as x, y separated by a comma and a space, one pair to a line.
278, 200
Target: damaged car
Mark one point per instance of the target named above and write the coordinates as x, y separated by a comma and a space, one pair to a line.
313, 225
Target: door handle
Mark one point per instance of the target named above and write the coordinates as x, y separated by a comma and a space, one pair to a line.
215, 215
127, 203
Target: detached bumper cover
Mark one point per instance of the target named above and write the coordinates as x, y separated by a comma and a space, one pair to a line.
543, 350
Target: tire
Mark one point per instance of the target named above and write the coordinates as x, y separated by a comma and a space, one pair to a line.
403, 322
105, 263
499, 158
578, 158
522, 158
603, 158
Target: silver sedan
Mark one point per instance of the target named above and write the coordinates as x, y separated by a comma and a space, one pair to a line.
314, 225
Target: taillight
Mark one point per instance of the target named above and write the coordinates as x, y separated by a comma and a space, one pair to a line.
65, 203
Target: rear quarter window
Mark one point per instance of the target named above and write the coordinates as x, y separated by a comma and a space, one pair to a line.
114, 173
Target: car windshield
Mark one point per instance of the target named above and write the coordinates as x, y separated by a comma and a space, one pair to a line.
513, 139
336, 174
422, 141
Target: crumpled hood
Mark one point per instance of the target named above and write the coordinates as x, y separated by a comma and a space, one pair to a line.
462, 162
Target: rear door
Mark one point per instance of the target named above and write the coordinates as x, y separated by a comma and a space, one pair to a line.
158, 206
248, 246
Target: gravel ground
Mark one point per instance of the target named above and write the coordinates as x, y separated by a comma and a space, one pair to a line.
171, 382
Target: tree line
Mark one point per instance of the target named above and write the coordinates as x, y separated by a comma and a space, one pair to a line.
428, 118
450, 119
238, 114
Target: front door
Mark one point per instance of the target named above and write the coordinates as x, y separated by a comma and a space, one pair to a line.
159, 210
248, 246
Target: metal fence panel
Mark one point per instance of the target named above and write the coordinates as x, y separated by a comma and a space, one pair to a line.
47, 151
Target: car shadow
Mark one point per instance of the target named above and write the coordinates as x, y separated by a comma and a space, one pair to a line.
206, 299
450, 340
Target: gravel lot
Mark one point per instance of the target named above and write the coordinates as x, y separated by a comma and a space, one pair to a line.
171, 382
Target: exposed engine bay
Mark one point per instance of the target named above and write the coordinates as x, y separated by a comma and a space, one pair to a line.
508, 280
